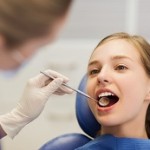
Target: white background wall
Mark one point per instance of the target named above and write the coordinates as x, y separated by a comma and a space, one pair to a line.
88, 22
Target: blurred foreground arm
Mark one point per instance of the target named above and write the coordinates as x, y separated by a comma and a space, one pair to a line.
34, 98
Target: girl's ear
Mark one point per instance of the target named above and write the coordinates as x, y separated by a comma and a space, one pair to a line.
148, 94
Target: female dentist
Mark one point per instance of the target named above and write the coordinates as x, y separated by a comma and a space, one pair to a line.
26, 25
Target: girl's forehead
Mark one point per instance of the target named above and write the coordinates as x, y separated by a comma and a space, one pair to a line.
117, 46
116, 43
115, 49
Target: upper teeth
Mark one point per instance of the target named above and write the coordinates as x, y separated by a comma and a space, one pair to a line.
105, 94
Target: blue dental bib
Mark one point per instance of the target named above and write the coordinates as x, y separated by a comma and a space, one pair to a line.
109, 142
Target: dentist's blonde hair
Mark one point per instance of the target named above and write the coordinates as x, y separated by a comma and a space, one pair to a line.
144, 50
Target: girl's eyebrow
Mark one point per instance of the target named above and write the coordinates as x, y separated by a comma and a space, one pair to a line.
93, 63
118, 57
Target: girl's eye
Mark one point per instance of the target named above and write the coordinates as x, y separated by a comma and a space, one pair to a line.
94, 71
121, 67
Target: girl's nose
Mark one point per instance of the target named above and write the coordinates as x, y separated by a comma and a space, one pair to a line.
104, 76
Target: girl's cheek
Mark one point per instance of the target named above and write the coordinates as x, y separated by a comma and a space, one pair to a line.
89, 88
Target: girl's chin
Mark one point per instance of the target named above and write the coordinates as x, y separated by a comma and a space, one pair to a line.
108, 121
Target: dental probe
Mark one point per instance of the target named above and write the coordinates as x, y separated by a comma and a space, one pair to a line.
78, 91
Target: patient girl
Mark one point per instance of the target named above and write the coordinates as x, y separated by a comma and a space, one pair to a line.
119, 78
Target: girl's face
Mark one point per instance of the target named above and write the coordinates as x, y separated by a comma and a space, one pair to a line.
115, 72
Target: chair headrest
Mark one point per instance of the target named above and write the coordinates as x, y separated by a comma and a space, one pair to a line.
84, 115
67, 142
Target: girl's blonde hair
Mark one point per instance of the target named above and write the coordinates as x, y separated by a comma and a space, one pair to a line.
21, 20
144, 50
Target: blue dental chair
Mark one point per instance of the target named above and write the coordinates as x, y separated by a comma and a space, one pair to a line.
86, 121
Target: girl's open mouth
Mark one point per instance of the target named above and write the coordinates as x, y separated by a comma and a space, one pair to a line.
107, 99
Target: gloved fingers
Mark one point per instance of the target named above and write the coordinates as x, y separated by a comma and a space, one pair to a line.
43, 82
39, 81
56, 75
53, 86
58, 93
63, 90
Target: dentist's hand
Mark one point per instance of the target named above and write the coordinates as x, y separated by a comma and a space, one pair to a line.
35, 96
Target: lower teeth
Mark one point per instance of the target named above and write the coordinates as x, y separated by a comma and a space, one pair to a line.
103, 101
